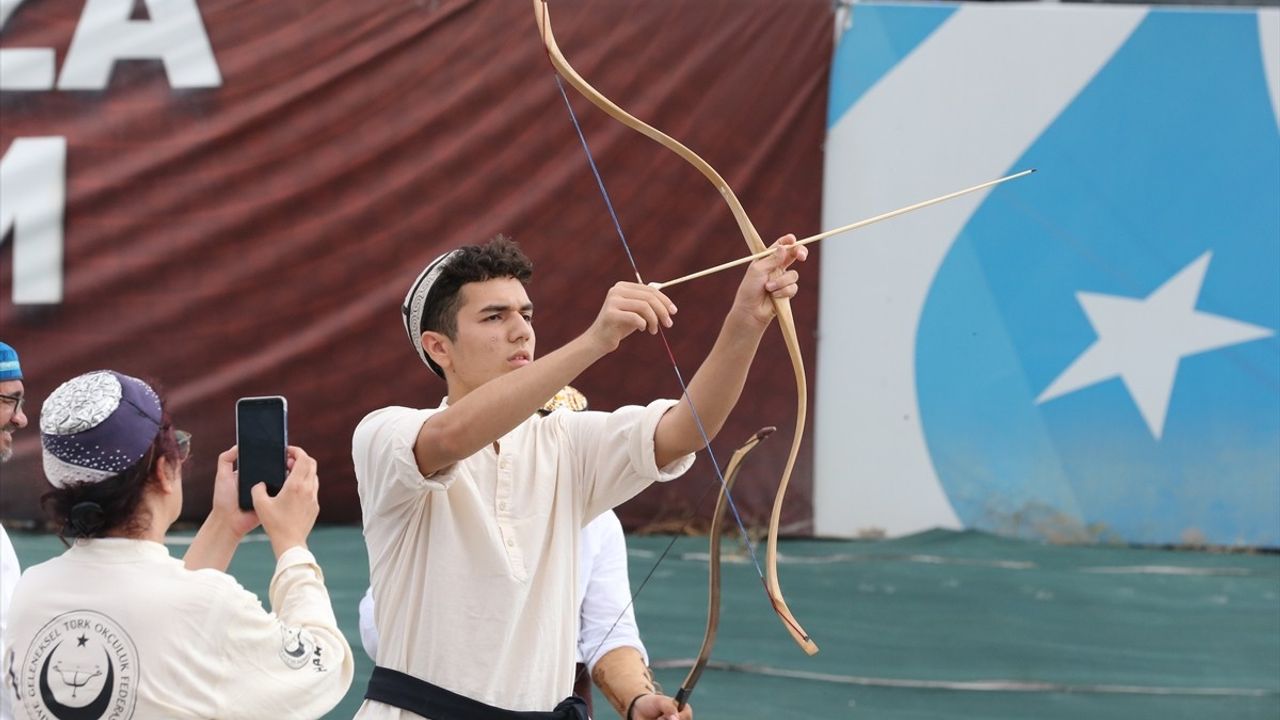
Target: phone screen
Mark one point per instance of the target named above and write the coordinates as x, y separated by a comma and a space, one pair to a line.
261, 435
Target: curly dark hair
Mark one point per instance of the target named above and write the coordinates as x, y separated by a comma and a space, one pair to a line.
112, 506
500, 257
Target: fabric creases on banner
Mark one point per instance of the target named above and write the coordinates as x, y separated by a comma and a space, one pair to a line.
245, 220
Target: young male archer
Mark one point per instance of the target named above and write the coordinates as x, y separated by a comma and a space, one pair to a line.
472, 509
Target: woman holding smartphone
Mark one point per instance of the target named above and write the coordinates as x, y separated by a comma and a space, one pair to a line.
116, 627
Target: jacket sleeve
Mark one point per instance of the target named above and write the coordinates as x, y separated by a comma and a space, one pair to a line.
10, 571
292, 662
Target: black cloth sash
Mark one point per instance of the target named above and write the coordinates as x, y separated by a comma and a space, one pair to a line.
582, 686
407, 692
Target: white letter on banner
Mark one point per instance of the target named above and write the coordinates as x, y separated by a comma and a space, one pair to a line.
33, 196
23, 68
174, 34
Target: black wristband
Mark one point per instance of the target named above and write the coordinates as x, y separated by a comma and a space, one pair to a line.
632, 706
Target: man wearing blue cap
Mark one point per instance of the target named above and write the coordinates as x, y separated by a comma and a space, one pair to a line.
11, 418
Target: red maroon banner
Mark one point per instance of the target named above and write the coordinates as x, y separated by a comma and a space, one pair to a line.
231, 199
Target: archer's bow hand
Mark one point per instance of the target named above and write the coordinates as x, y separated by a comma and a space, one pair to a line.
770, 278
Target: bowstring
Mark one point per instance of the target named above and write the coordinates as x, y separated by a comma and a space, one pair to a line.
706, 440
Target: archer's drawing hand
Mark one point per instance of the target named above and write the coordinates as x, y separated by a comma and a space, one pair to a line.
770, 278
630, 307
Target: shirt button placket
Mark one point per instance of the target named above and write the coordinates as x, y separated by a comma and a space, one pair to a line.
504, 492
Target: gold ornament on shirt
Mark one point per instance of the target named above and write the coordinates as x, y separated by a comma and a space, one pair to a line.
569, 398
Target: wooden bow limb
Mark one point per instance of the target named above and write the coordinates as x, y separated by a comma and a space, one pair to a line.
782, 307
837, 231
713, 566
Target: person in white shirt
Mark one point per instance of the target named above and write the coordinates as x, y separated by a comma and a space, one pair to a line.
472, 509
607, 631
11, 419
116, 628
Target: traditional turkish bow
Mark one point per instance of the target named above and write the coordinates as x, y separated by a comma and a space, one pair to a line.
713, 566
782, 307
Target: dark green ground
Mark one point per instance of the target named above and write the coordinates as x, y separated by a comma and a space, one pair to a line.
908, 628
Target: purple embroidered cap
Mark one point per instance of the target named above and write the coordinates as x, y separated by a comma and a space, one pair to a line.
97, 425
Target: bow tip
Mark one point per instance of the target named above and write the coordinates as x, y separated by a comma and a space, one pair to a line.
802, 639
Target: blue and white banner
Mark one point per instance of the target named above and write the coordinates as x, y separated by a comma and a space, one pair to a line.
1089, 353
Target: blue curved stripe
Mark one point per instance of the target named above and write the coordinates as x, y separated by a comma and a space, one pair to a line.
1171, 151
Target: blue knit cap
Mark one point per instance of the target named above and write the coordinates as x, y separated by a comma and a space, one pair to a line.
9, 367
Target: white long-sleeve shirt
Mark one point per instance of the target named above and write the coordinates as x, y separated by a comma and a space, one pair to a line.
606, 619
474, 568
10, 571
119, 628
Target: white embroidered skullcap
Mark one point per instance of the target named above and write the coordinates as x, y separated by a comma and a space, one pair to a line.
415, 306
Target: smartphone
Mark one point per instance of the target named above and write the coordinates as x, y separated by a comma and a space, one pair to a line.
262, 434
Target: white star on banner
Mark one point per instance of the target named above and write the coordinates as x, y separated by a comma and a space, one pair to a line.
1142, 341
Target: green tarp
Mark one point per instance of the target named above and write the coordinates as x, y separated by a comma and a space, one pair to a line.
938, 625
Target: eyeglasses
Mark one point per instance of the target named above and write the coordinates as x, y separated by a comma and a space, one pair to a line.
184, 444
17, 401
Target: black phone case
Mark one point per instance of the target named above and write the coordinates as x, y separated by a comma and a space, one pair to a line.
273, 485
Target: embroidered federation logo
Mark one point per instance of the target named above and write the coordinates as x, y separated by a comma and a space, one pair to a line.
296, 647
81, 665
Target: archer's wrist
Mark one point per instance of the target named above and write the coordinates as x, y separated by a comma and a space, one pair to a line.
746, 323
632, 707
623, 678
590, 346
